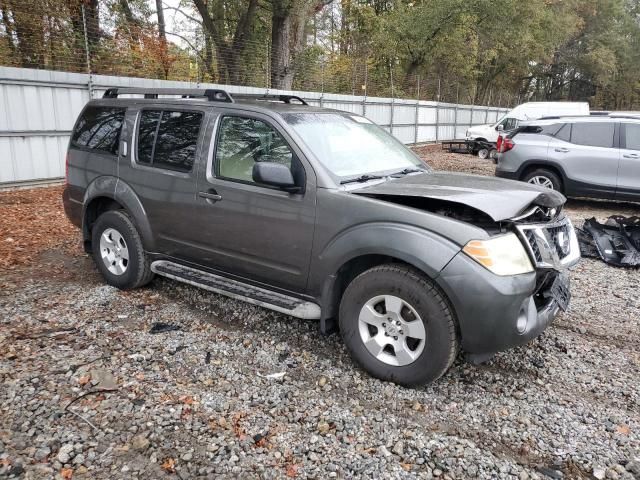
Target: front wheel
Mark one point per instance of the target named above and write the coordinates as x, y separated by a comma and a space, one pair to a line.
398, 326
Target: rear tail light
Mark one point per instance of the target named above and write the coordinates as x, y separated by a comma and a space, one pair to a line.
504, 144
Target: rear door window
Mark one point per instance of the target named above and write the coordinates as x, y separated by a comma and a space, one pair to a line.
564, 133
98, 128
168, 139
597, 134
632, 136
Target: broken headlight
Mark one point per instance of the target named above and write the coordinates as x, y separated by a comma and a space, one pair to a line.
502, 255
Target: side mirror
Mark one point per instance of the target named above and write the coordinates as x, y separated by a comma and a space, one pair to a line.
274, 175
500, 128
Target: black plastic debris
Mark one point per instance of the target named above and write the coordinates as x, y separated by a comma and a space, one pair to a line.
163, 327
617, 241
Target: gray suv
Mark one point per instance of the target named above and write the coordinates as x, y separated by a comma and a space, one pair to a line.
318, 214
596, 156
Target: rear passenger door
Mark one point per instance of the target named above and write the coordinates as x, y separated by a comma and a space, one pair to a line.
160, 167
629, 171
588, 154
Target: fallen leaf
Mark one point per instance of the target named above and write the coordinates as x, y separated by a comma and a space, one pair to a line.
186, 399
292, 470
169, 465
406, 467
66, 473
84, 379
623, 429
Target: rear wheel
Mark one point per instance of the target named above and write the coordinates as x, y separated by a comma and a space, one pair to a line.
118, 251
398, 326
483, 153
544, 178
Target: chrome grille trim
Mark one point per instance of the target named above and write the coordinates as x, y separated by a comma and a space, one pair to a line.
544, 243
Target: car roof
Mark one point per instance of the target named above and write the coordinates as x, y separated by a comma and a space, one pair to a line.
265, 103
580, 119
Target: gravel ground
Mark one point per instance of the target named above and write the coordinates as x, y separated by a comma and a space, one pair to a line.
88, 392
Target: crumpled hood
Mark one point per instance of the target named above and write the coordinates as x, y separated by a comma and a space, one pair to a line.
499, 198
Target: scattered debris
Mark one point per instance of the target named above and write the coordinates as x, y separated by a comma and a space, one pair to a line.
276, 376
617, 241
163, 327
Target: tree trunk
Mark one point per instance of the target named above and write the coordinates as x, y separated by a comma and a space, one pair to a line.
162, 34
281, 76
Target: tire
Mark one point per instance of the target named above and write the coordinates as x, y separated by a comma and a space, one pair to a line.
545, 178
422, 305
483, 153
120, 239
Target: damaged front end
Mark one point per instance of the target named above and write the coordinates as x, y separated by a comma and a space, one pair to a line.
552, 244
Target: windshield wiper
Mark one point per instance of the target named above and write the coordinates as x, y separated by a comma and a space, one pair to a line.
361, 178
407, 171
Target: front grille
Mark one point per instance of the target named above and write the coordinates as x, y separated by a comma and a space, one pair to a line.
552, 245
533, 245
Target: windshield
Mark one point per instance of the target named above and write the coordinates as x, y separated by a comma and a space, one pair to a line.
351, 145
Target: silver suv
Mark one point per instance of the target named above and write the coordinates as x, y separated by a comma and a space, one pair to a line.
597, 156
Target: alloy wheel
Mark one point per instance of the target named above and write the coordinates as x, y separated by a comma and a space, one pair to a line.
391, 330
114, 251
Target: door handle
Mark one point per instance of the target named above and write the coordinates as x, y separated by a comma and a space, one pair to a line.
631, 155
562, 150
211, 196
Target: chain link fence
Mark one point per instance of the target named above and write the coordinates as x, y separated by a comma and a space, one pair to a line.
74, 37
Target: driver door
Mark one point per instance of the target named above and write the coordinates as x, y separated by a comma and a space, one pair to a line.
258, 232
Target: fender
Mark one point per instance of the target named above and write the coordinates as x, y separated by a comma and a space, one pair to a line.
126, 196
119, 191
543, 163
423, 249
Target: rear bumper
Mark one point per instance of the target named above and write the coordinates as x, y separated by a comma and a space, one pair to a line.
72, 208
494, 313
505, 174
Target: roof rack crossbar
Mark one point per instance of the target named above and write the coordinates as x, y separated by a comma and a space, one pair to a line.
272, 97
211, 94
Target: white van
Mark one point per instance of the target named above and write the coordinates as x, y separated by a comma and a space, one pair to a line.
526, 111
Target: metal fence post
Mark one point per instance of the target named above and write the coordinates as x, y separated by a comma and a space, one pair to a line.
392, 97
87, 52
415, 137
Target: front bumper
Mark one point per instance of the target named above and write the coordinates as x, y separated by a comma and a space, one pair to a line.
495, 313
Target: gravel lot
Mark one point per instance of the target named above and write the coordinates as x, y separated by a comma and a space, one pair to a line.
87, 392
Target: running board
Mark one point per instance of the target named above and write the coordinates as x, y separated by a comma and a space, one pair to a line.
238, 290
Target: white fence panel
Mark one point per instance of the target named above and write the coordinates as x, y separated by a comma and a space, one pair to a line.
38, 109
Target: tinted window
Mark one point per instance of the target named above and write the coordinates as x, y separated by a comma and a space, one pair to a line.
593, 134
98, 128
632, 136
147, 135
564, 133
168, 139
245, 141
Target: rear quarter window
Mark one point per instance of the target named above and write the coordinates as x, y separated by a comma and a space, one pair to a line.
98, 128
598, 134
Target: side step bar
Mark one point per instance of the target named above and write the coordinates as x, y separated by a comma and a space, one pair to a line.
238, 290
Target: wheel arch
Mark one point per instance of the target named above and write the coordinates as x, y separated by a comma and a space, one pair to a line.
109, 193
357, 252
531, 165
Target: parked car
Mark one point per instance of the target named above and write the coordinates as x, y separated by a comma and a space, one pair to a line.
597, 156
526, 111
319, 214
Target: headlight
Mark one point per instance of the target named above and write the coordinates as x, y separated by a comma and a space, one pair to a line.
503, 255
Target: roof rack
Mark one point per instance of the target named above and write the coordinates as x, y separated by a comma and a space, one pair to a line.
268, 97
211, 94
